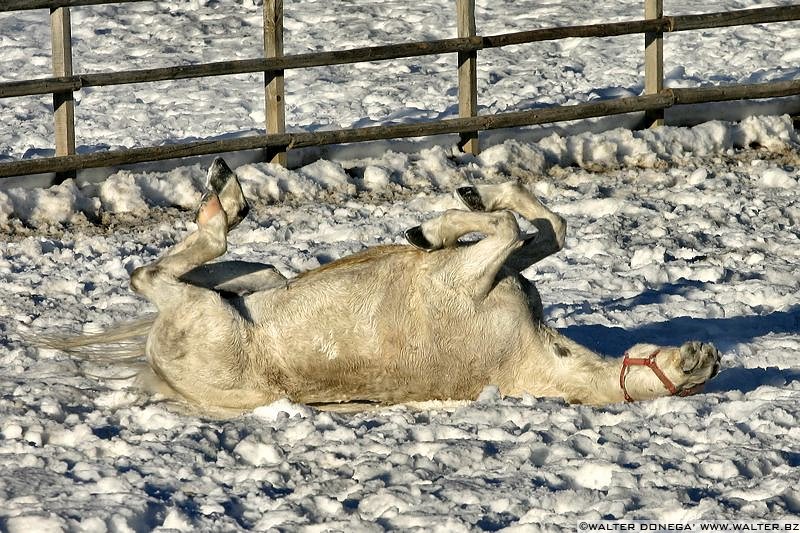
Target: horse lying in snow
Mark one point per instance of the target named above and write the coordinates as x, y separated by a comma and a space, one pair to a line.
436, 320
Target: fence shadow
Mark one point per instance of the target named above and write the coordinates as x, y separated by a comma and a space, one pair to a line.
725, 333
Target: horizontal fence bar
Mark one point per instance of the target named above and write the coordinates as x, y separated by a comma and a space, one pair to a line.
398, 51
754, 91
315, 59
664, 99
40, 86
26, 5
247, 66
321, 138
612, 29
722, 19
486, 122
758, 15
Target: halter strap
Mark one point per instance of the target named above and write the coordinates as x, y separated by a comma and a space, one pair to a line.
649, 362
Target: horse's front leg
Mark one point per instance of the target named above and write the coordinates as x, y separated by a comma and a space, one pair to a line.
473, 268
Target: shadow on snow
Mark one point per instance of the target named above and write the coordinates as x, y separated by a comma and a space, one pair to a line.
724, 333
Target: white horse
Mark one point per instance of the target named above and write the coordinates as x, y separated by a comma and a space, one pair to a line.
434, 321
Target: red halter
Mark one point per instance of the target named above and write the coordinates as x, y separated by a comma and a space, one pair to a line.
650, 362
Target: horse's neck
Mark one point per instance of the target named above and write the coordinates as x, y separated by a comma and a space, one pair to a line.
555, 365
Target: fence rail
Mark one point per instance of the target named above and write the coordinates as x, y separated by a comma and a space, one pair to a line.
274, 63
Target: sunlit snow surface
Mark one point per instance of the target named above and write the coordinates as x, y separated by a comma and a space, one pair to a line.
153, 34
670, 246
674, 234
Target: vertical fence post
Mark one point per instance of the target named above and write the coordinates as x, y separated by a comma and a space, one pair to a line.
467, 75
275, 105
63, 102
653, 61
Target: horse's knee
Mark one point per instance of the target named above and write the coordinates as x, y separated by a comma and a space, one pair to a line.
445, 230
157, 285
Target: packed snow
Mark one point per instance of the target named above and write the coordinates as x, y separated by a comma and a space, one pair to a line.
674, 234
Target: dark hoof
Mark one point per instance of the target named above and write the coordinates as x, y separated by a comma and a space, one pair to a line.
416, 238
470, 197
241, 215
218, 175
220, 178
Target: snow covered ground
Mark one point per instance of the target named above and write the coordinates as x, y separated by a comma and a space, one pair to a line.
675, 234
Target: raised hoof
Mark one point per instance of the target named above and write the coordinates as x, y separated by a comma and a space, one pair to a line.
417, 239
470, 198
240, 215
222, 180
219, 173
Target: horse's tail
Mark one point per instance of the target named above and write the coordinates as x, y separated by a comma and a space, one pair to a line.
121, 343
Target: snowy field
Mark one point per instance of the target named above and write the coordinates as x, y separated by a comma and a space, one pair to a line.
158, 34
674, 234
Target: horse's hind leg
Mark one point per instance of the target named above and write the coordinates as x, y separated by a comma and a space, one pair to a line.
551, 228
222, 180
198, 344
236, 277
492, 207
221, 208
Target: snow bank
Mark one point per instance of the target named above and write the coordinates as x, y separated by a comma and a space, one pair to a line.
435, 169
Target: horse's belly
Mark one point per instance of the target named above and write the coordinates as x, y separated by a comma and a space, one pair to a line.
428, 343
